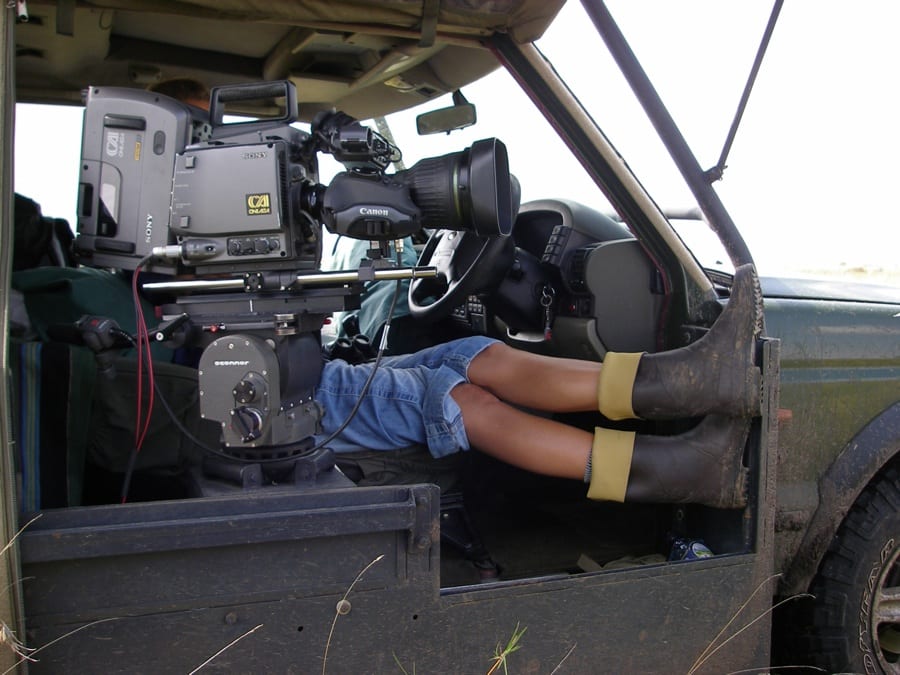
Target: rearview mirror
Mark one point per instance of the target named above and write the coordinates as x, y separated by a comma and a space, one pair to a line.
445, 120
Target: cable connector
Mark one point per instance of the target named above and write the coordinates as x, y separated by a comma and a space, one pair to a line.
189, 249
171, 252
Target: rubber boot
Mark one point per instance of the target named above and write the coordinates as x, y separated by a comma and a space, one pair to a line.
701, 466
715, 374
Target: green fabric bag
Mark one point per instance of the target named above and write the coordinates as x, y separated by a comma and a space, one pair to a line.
62, 295
67, 415
166, 449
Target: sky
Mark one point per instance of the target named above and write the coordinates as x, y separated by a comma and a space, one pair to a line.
813, 172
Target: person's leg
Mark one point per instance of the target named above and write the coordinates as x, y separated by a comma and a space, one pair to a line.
716, 374
702, 466
546, 383
449, 397
407, 402
439, 407
529, 442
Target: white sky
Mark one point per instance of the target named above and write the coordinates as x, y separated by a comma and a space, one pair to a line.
812, 174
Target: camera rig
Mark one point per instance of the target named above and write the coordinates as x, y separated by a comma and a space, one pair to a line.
232, 213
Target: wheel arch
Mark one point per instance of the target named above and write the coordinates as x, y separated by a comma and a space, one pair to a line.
853, 469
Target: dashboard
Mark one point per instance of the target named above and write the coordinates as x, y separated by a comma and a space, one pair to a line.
580, 284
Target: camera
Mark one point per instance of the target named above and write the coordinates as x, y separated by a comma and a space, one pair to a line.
166, 189
236, 207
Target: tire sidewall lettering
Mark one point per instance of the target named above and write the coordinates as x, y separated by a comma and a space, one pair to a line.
866, 640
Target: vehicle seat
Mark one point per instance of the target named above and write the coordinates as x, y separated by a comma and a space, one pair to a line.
75, 428
68, 419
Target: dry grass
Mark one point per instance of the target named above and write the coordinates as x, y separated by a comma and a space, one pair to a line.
33, 652
343, 607
7, 635
719, 641
224, 649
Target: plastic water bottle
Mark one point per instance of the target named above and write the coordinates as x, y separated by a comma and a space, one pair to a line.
689, 549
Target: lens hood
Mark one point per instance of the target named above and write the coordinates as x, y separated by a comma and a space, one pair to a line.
466, 190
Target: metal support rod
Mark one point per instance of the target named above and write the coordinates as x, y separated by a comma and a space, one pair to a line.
351, 277
338, 278
719, 219
716, 172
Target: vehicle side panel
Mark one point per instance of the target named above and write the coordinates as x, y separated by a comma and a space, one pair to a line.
840, 366
350, 577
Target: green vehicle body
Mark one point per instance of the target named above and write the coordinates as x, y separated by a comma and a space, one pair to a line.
838, 396
334, 577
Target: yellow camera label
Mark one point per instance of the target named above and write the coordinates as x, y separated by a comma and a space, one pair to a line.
259, 204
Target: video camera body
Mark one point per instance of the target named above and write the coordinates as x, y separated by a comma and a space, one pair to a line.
238, 196
238, 208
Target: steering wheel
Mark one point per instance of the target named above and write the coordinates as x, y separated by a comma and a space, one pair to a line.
466, 263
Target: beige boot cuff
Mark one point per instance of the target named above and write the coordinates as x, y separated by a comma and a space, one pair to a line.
610, 464
616, 385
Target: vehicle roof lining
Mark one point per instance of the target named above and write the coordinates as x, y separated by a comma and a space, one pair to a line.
524, 20
365, 58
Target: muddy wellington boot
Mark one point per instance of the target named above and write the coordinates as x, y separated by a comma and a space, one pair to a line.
715, 374
701, 466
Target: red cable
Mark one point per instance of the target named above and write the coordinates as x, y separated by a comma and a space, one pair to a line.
142, 424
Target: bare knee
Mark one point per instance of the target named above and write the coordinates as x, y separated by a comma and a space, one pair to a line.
472, 397
482, 413
490, 363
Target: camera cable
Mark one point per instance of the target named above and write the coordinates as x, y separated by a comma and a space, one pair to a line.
375, 364
144, 358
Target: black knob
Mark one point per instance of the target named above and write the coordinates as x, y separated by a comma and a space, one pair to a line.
244, 392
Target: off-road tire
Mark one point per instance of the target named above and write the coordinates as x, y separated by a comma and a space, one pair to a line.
851, 629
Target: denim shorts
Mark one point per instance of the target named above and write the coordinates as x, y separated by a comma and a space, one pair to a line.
408, 402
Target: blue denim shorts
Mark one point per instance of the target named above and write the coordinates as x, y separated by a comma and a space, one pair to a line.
408, 402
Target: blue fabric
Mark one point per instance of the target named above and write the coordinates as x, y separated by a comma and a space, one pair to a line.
408, 402
29, 399
52, 394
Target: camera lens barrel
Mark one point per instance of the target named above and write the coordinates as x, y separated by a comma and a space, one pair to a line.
467, 190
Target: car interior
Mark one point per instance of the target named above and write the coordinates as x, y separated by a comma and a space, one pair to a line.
568, 280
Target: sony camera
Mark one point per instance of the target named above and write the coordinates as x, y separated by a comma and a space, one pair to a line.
168, 189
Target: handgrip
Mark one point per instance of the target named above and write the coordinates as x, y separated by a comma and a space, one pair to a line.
250, 92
